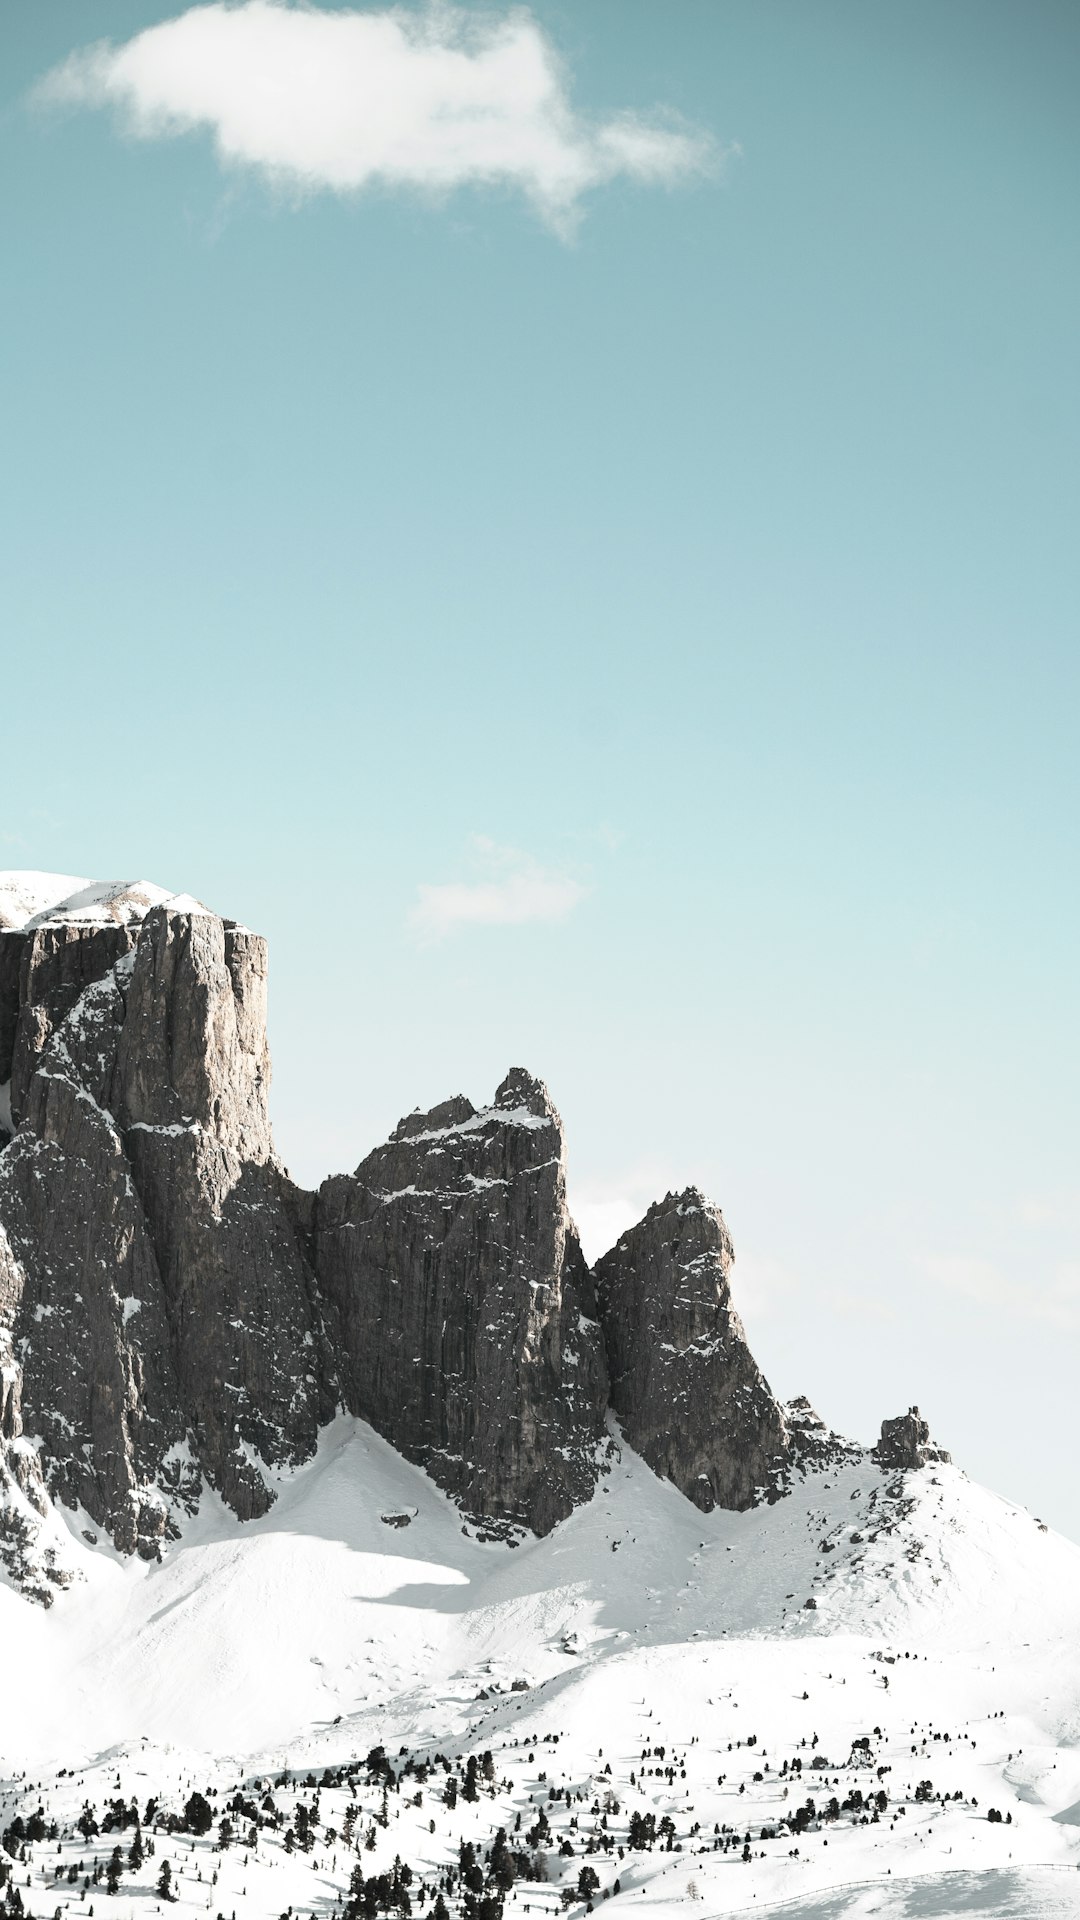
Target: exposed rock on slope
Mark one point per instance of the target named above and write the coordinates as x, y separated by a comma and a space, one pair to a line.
905, 1442
811, 1443
463, 1302
689, 1394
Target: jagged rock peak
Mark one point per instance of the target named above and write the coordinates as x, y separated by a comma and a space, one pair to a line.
689, 1394
464, 1305
520, 1100
522, 1095
812, 1441
905, 1442
684, 1205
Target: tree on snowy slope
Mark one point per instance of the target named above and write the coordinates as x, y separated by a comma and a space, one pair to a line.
501, 1870
198, 1814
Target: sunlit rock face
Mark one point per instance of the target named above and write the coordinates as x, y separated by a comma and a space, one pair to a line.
464, 1305
687, 1390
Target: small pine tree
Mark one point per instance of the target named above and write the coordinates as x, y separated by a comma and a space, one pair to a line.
198, 1814
164, 1882
136, 1854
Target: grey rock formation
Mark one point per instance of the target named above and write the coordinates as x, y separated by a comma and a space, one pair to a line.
905, 1442
464, 1305
190, 1095
44, 971
174, 1310
159, 1311
812, 1443
688, 1392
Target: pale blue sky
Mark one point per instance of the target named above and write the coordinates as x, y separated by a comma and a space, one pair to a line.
705, 571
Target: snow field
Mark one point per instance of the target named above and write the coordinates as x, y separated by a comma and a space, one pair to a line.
945, 1635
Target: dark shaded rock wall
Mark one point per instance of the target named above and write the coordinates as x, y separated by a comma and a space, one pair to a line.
688, 1392
464, 1305
43, 973
160, 1313
191, 1088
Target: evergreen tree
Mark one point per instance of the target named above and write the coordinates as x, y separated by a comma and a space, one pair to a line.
198, 1814
501, 1872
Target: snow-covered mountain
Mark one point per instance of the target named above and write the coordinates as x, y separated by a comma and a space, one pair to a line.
672, 1647
377, 1523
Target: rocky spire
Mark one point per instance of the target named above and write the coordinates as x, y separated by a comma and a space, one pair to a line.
464, 1305
688, 1392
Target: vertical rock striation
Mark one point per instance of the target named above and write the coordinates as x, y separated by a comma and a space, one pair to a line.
688, 1392
464, 1305
190, 1096
159, 1316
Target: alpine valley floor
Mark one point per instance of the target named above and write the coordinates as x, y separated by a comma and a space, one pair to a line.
642, 1660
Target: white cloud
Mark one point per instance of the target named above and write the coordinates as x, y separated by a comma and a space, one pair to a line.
1052, 1297
430, 99
602, 1210
513, 890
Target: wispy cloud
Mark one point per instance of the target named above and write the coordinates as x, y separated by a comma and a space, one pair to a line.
431, 99
510, 890
603, 1208
1053, 1297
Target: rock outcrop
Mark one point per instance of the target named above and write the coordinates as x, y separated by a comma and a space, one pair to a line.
905, 1442
812, 1443
464, 1306
161, 1316
689, 1395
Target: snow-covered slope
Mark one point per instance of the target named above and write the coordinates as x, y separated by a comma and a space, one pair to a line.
359, 1611
59, 899
24, 894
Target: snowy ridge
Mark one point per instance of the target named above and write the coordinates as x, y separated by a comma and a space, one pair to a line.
29, 900
359, 1612
26, 894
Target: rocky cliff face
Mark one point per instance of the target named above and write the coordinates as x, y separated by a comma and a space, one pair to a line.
688, 1392
161, 1317
173, 1310
465, 1307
